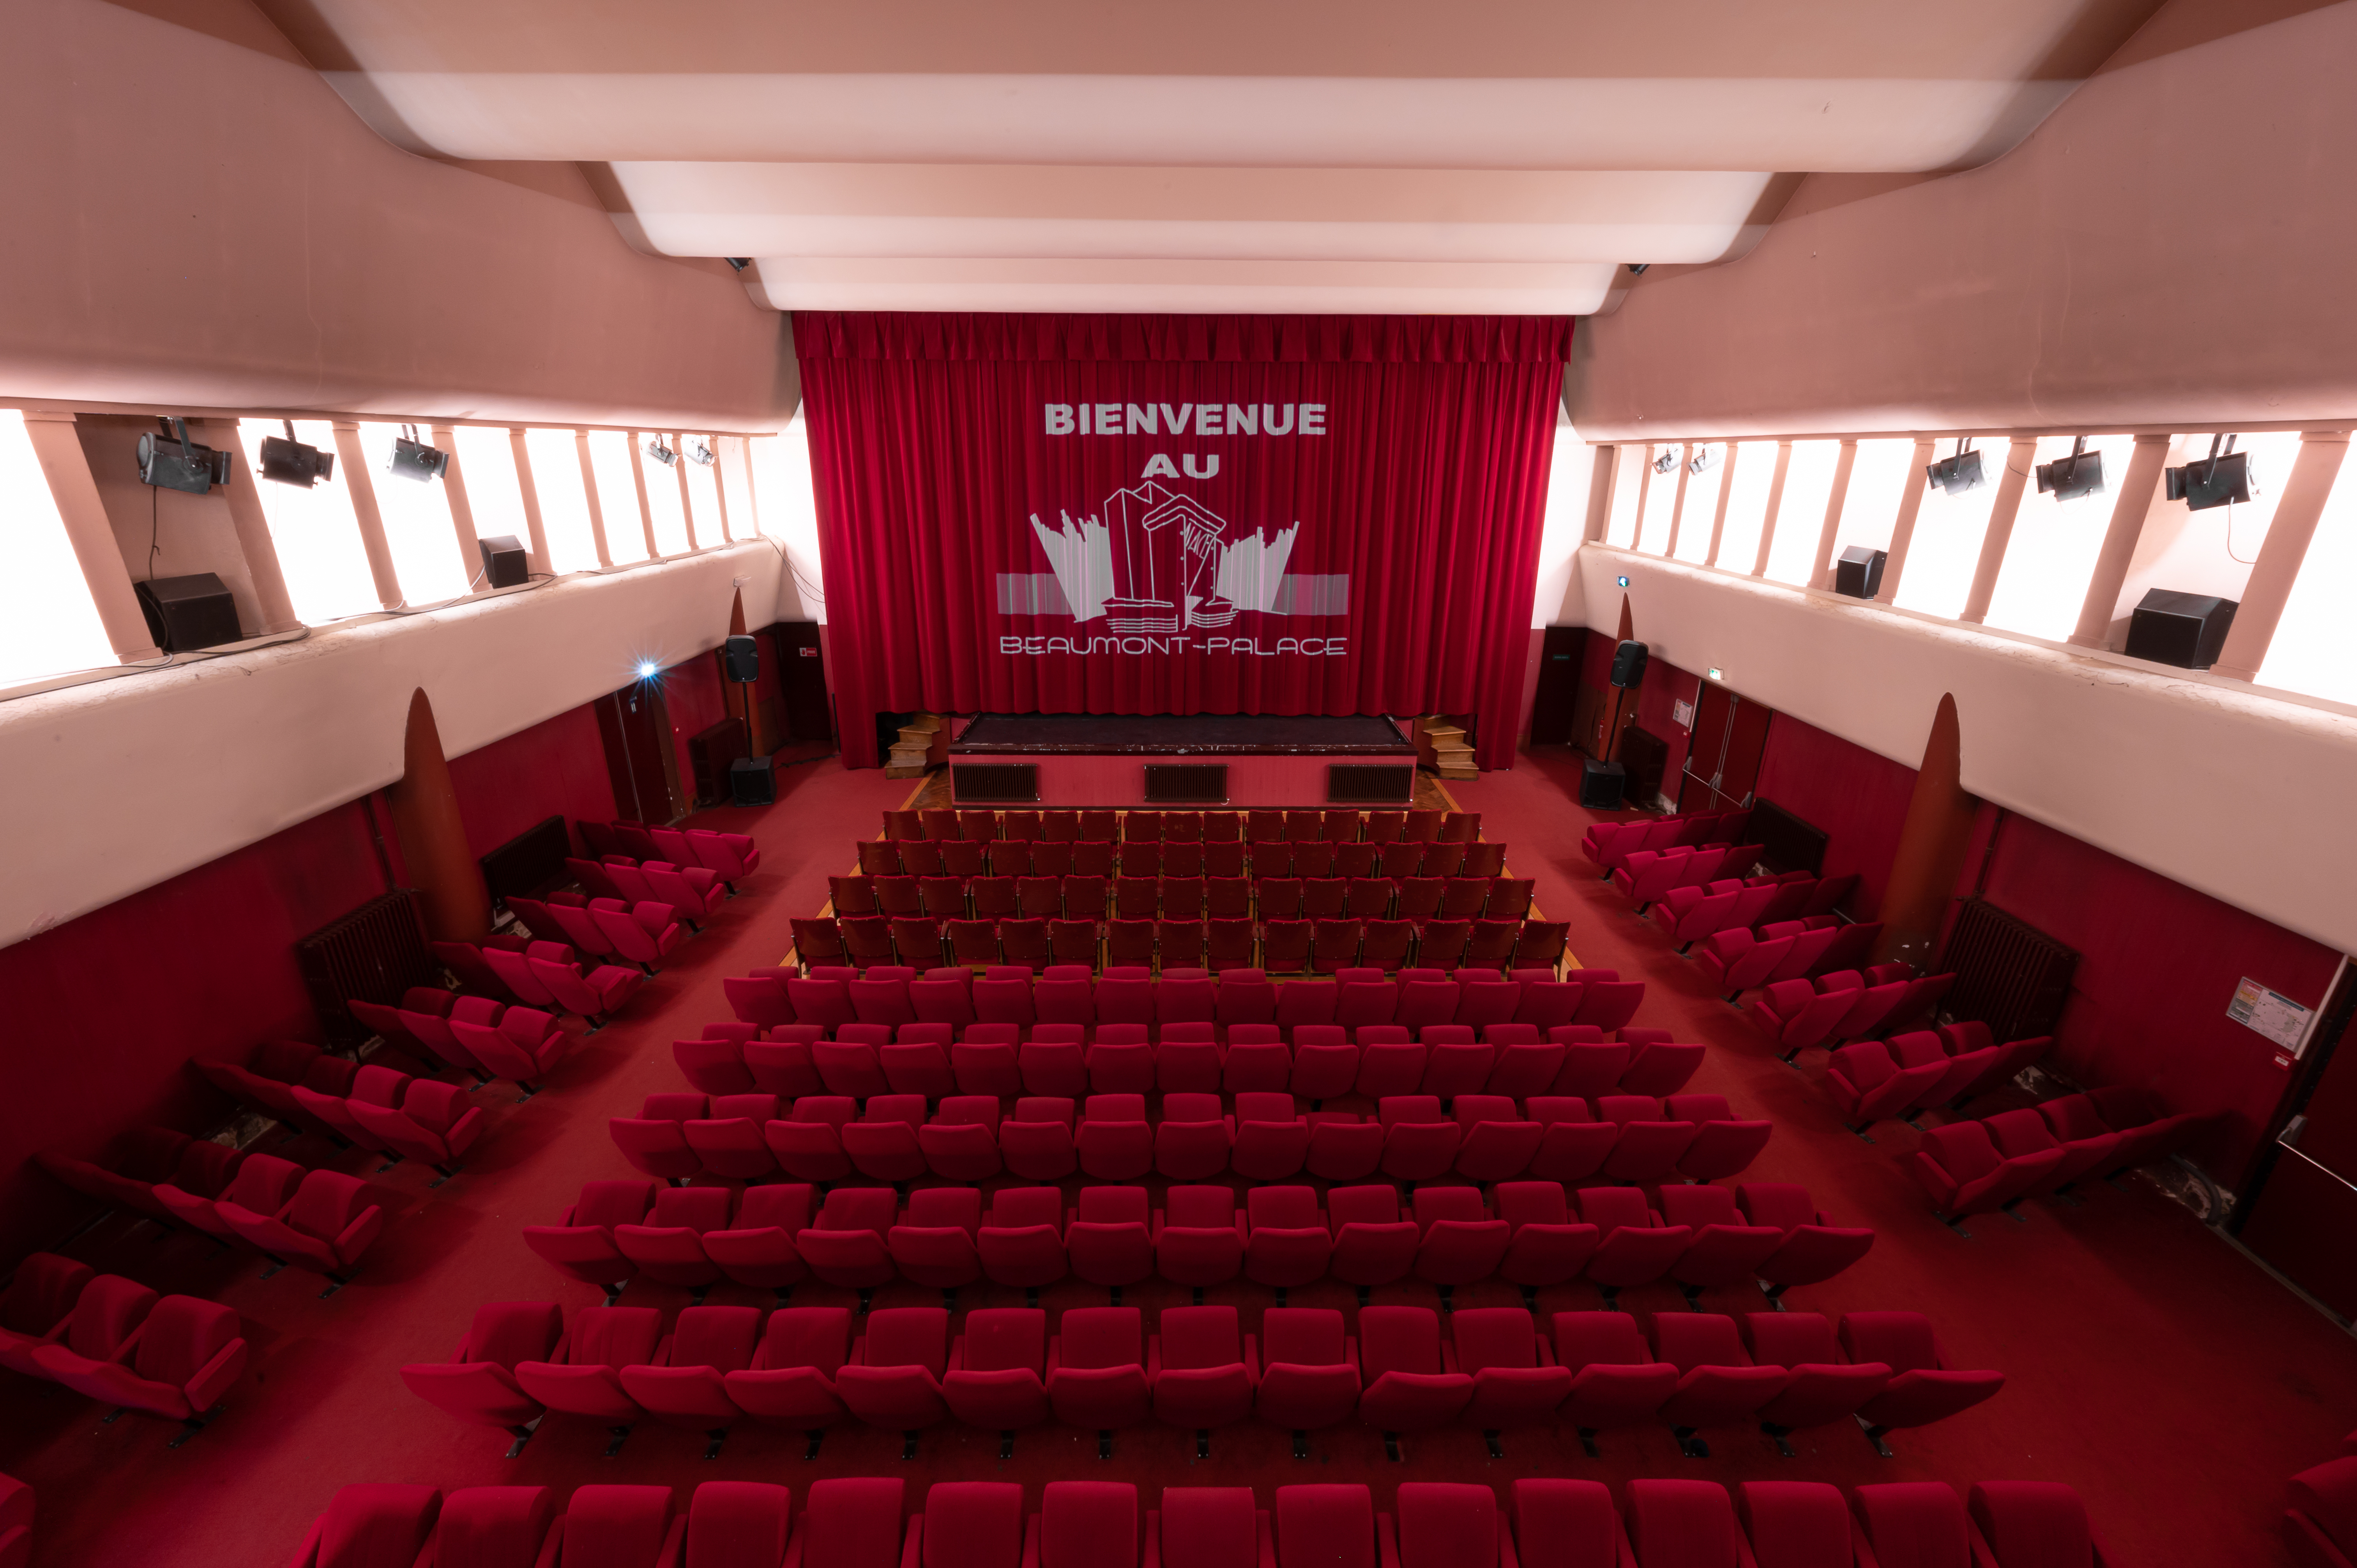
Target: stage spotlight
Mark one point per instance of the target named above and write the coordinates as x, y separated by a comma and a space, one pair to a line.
412, 459
661, 452
1703, 461
1957, 472
2080, 474
1666, 462
172, 462
291, 462
2226, 477
700, 454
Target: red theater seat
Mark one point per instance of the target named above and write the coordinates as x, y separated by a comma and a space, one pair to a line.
371, 1526
1096, 1370
1615, 1380
791, 1382
1923, 1388
894, 1377
1410, 1385
1202, 1368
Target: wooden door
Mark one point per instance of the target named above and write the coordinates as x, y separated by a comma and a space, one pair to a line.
1554, 711
2305, 1207
641, 759
809, 710
1731, 735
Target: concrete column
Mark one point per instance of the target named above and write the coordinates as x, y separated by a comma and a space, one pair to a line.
1606, 474
2305, 492
449, 878
253, 541
1678, 501
1902, 530
2137, 487
1775, 505
1931, 853
687, 502
589, 494
462, 512
638, 483
1726, 489
363, 487
2018, 458
66, 468
1821, 574
532, 523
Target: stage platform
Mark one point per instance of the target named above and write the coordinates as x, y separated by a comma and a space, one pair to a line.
1206, 760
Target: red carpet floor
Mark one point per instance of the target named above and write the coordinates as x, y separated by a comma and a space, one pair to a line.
2149, 1364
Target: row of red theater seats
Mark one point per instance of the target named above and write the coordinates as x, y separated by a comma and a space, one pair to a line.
1341, 825
540, 974
1972, 1167
692, 891
641, 933
1283, 946
1908, 1074
1483, 1137
1649, 874
1398, 863
15, 1523
858, 1522
474, 1034
1190, 896
1846, 1004
118, 1342
1528, 1234
1607, 845
320, 1221
1687, 915
1001, 1369
1322, 1061
1735, 961
832, 995
731, 857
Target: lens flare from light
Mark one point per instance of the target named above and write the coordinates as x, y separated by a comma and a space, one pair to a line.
649, 669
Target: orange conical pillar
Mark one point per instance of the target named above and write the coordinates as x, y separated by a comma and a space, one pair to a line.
1627, 625
449, 882
736, 613
1930, 847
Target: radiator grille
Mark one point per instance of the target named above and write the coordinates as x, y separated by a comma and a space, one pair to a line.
1187, 783
983, 783
1370, 784
375, 953
2009, 975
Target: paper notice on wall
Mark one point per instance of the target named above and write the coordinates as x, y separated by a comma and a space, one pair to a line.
1682, 713
2271, 1013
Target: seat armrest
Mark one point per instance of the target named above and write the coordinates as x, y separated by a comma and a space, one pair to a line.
1153, 1558
359, 1234
217, 1375
1031, 1527
1387, 1545
913, 1548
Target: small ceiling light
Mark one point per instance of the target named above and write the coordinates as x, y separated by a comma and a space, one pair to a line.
2068, 478
412, 459
291, 462
1667, 461
1705, 459
1957, 472
649, 669
661, 452
2226, 477
170, 461
700, 454
738, 263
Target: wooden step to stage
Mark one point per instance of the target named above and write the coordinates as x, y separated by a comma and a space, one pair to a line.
1444, 747
915, 750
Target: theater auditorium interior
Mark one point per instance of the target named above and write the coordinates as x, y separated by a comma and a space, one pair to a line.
1060, 786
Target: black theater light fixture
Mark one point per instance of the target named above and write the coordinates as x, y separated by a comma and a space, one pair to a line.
1637, 269
290, 462
738, 263
1957, 472
1667, 461
1704, 460
2226, 477
2080, 474
170, 461
412, 459
661, 452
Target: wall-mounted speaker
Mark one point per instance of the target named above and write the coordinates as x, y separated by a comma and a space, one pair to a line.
744, 656
1601, 785
1858, 573
188, 613
505, 564
1629, 664
2184, 629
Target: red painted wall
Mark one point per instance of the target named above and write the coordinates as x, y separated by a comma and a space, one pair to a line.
1665, 685
1856, 796
2158, 964
696, 698
104, 1011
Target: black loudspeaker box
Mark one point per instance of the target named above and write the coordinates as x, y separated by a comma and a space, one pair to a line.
753, 781
505, 565
744, 659
1601, 785
1629, 664
188, 613
2184, 629
1858, 573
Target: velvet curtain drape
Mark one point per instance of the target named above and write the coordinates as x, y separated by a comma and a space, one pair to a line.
1180, 514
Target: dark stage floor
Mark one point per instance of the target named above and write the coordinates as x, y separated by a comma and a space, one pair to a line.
1171, 735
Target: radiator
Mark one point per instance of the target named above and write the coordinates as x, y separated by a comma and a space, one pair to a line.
375, 953
2009, 975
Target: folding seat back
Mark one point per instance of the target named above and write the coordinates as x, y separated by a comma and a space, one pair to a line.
1373, 1242
1561, 1523
2034, 1524
375, 1525
1913, 1524
1021, 1240
1682, 1524
853, 1523
894, 1379
1107, 1238
1096, 1375
1408, 1386
1795, 1524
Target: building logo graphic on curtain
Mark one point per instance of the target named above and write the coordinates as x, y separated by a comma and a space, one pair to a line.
1155, 562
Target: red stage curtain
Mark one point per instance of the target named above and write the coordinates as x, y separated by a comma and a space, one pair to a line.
1368, 545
